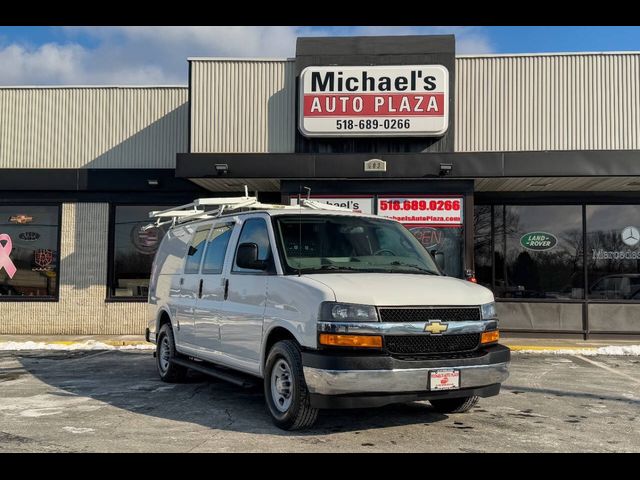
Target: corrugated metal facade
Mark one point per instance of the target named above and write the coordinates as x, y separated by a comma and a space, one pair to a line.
242, 106
93, 127
81, 309
503, 103
548, 102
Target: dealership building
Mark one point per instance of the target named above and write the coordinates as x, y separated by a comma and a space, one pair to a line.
523, 170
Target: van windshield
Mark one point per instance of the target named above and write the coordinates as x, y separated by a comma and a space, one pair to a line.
345, 244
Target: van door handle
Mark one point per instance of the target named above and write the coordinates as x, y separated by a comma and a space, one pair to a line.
226, 288
200, 288
182, 281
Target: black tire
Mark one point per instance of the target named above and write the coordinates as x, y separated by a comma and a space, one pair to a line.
296, 412
454, 405
169, 372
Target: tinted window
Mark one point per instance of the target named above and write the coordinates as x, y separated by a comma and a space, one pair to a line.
196, 250
482, 245
255, 231
613, 251
538, 251
133, 249
216, 249
29, 250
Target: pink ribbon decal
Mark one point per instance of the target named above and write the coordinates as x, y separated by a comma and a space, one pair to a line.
5, 251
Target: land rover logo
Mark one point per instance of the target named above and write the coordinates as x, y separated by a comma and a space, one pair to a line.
538, 241
630, 236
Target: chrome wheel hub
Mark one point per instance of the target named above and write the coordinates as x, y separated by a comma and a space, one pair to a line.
281, 385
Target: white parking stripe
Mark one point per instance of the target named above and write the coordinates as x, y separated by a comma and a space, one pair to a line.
608, 369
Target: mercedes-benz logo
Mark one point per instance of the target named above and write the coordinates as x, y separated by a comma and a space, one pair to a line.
630, 236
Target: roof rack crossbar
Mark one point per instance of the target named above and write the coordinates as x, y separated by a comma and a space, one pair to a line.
197, 210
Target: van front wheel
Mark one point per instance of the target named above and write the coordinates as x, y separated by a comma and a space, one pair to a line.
165, 353
285, 390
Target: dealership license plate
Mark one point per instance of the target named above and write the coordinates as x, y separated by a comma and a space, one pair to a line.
444, 380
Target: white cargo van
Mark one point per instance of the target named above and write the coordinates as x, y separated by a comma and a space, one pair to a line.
327, 307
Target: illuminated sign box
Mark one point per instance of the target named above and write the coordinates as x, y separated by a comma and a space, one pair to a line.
372, 101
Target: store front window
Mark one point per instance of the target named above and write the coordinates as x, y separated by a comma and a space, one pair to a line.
482, 244
613, 252
133, 250
29, 251
537, 251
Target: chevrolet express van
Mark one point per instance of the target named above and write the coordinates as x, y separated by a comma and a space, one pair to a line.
326, 307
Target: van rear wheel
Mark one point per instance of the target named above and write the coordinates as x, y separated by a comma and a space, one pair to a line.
285, 389
165, 353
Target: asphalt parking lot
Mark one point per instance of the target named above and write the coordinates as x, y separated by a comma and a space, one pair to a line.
112, 401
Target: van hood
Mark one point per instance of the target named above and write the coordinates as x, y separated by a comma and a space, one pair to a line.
402, 289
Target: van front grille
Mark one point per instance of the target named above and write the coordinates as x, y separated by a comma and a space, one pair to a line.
445, 314
430, 344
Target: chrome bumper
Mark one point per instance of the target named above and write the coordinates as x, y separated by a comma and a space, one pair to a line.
340, 382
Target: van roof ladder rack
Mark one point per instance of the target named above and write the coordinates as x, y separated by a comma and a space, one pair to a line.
197, 210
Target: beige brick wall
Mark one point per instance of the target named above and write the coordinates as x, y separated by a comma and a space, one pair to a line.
81, 308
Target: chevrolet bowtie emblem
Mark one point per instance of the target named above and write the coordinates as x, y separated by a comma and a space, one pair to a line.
435, 327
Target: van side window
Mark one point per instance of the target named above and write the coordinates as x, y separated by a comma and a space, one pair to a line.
255, 231
216, 248
196, 249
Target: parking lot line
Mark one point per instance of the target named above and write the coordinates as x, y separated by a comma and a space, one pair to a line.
608, 369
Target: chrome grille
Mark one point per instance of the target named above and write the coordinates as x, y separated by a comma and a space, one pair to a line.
429, 344
446, 314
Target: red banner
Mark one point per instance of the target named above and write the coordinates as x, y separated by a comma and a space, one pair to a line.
374, 105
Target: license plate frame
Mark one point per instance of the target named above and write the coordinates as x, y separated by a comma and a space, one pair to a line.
444, 379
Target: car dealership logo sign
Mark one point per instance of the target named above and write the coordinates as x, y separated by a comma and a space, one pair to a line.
630, 236
539, 241
368, 101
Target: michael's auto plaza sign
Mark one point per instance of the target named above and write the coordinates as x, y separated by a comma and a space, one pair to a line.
368, 101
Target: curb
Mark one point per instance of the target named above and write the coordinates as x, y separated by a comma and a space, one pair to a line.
518, 348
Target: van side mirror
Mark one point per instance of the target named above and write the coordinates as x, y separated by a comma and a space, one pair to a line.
439, 258
247, 257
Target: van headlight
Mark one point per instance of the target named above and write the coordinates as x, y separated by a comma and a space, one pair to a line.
347, 312
489, 311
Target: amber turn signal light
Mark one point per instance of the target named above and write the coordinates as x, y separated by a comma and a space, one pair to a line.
374, 341
488, 337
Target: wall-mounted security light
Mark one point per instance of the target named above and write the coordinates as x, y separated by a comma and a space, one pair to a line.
445, 169
222, 168
153, 182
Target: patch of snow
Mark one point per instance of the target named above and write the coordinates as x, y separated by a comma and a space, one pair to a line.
86, 345
588, 352
619, 350
78, 429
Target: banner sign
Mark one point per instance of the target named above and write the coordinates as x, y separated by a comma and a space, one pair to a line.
357, 204
423, 210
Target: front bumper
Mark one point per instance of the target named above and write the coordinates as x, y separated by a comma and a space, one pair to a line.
379, 380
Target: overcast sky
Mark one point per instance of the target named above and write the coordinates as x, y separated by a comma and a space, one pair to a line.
157, 55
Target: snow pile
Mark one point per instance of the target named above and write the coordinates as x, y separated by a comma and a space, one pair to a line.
588, 352
86, 345
619, 350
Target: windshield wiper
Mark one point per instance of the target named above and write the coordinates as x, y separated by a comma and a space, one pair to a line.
401, 264
332, 268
